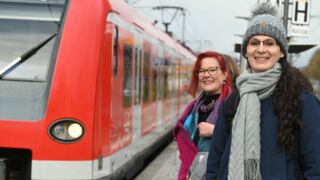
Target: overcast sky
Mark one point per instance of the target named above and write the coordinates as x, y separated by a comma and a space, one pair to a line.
212, 24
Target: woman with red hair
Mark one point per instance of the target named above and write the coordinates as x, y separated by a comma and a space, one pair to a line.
210, 84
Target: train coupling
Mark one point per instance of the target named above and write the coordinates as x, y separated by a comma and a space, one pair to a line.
3, 169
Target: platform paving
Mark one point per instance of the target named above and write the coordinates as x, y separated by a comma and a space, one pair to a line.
165, 166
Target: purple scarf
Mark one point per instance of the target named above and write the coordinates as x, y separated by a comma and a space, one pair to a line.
212, 118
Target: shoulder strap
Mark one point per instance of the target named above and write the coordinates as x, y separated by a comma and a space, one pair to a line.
232, 105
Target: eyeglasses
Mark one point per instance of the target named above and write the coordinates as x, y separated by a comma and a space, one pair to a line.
268, 43
211, 70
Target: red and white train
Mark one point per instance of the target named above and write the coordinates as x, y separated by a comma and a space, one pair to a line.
88, 89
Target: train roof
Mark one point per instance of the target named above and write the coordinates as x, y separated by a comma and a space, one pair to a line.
135, 18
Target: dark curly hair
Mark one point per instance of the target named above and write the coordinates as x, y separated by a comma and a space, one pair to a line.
287, 105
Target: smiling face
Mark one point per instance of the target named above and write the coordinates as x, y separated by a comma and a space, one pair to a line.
210, 76
262, 53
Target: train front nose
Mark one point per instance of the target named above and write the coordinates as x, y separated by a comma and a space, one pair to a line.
28, 42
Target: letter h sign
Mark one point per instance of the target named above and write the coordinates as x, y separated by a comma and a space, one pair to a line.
301, 12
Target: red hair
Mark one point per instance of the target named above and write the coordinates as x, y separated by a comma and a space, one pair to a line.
193, 87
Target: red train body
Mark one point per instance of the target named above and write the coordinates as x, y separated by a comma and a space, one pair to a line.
94, 100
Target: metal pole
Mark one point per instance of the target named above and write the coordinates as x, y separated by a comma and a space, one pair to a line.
285, 14
177, 9
285, 24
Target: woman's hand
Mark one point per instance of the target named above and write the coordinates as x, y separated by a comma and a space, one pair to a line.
205, 129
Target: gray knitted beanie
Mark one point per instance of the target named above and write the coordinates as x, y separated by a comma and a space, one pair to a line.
264, 21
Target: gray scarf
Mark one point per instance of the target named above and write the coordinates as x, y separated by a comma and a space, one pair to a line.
244, 162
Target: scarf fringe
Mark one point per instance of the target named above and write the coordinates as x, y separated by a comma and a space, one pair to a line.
252, 169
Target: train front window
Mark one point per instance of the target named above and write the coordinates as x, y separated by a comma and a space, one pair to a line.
28, 25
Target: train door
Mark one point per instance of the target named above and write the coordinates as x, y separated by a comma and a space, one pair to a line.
137, 85
178, 77
173, 88
166, 111
170, 84
127, 90
160, 79
148, 121
115, 123
122, 91
183, 81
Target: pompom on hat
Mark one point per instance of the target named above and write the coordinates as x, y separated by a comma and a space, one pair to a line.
264, 21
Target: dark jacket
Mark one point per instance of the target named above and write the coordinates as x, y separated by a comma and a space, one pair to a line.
275, 163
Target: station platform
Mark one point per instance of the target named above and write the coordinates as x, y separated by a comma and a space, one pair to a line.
164, 166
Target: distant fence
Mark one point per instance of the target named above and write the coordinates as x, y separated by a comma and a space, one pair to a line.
316, 86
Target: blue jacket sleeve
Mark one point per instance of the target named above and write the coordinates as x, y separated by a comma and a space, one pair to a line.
218, 143
309, 137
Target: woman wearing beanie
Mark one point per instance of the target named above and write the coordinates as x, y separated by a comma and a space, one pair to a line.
194, 128
275, 131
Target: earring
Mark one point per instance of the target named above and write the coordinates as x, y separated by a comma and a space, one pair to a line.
223, 82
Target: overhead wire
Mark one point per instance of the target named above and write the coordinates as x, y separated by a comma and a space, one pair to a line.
191, 31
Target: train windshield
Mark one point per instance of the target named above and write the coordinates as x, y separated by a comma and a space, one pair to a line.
28, 36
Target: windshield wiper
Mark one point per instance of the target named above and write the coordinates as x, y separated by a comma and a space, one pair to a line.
11, 66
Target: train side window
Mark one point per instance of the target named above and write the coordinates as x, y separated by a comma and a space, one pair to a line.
176, 80
115, 51
161, 78
127, 76
146, 73
166, 79
135, 84
155, 77
137, 75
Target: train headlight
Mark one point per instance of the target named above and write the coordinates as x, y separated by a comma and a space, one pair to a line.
66, 130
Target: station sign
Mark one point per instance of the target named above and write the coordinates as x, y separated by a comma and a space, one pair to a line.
298, 30
301, 12
300, 18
